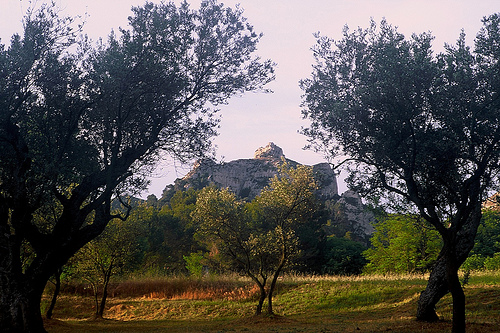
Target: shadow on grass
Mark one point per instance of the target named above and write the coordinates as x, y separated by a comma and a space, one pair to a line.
256, 324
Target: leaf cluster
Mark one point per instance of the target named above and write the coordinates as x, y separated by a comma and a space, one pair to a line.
402, 244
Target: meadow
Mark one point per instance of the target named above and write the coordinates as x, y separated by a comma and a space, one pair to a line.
302, 304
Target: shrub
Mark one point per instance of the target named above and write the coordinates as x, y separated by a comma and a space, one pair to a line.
402, 244
194, 264
474, 262
345, 257
493, 263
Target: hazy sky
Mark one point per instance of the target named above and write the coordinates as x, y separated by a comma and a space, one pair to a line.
253, 120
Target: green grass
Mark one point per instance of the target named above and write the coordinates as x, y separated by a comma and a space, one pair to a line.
303, 304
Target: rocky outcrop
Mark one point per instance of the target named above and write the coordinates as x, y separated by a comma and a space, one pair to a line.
327, 179
493, 202
269, 151
356, 219
247, 177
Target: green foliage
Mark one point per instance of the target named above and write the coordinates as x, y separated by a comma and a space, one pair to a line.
313, 245
182, 204
474, 262
402, 244
486, 251
194, 264
492, 263
258, 239
111, 253
418, 129
487, 241
477, 262
81, 124
389, 106
399, 245
288, 207
344, 257
223, 225
168, 234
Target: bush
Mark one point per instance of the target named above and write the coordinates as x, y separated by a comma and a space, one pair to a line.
194, 264
402, 244
344, 257
474, 262
492, 263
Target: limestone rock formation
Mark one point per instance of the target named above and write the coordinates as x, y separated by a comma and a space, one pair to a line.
356, 219
493, 202
247, 177
327, 180
269, 151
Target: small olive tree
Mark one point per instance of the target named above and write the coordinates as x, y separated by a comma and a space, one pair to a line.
259, 239
109, 254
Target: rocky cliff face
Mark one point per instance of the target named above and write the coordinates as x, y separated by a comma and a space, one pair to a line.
247, 177
352, 217
493, 202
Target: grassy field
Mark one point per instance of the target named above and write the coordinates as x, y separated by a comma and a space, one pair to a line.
302, 304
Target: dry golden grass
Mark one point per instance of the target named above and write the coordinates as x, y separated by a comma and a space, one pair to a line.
181, 288
175, 288
304, 304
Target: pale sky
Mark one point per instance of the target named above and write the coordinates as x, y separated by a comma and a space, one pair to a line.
253, 120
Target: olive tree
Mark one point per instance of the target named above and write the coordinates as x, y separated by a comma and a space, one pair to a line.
414, 126
283, 207
224, 225
111, 253
82, 123
259, 239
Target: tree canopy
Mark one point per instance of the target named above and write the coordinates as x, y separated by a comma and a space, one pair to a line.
417, 127
80, 123
402, 244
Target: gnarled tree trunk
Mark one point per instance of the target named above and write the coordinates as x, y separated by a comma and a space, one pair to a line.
439, 284
20, 293
20, 306
457, 294
262, 298
272, 287
262, 289
21, 288
436, 288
